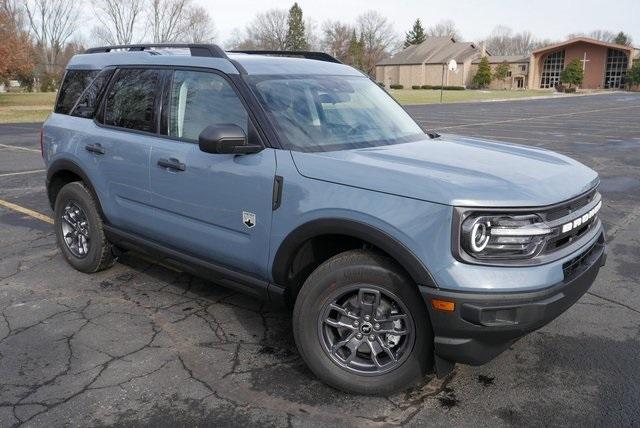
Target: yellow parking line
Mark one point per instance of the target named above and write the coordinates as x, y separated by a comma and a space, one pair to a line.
10, 174
26, 211
9, 146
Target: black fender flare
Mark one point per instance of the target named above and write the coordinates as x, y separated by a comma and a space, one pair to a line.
337, 226
69, 165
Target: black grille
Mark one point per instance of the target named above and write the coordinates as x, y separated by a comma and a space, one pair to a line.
569, 207
573, 266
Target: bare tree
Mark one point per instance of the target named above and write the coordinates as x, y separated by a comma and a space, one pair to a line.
166, 18
503, 41
268, 30
445, 28
335, 39
198, 26
378, 38
14, 11
52, 22
117, 20
602, 35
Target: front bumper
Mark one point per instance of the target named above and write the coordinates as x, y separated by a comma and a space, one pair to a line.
485, 324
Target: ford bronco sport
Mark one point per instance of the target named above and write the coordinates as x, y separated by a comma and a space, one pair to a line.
296, 179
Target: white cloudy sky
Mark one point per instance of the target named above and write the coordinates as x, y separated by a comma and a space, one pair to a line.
552, 19
546, 19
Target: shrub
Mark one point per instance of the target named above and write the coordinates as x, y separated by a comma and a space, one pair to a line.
416, 87
381, 84
427, 87
396, 86
454, 88
571, 90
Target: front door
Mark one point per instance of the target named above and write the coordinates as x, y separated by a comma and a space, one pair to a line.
215, 206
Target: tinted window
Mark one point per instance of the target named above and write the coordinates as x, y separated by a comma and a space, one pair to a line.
199, 99
130, 102
75, 82
88, 102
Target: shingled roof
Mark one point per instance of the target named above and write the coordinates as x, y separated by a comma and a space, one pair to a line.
497, 59
434, 50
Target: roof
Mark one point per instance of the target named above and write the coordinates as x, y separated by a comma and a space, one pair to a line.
252, 64
497, 59
585, 40
434, 50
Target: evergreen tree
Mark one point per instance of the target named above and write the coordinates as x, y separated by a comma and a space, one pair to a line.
573, 74
502, 71
416, 35
622, 39
483, 76
296, 39
633, 76
356, 51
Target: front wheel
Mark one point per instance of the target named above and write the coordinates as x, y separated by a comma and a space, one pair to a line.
360, 325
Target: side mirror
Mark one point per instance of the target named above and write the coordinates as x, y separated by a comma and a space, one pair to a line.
226, 139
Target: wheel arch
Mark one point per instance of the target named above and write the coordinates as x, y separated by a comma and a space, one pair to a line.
345, 229
64, 171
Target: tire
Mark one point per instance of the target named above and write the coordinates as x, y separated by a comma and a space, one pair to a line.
74, 198
318, 325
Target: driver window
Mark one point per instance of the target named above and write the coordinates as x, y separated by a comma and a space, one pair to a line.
199, 99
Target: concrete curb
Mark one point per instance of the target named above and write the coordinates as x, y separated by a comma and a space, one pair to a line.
541, 97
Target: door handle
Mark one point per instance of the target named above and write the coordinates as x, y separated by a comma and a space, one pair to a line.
95, 148
172, 163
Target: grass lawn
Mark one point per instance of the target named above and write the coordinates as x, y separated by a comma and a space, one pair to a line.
431, 96
35, 107
26, 107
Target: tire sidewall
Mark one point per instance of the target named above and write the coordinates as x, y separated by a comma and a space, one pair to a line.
78, 194
324, 283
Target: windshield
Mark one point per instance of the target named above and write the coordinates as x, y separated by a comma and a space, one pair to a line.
325, 113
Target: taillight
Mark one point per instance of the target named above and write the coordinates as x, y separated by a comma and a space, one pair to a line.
42, 141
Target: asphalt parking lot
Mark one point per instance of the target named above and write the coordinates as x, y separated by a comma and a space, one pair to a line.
140, 344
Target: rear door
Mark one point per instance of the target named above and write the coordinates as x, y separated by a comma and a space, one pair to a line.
215, 206
121, 145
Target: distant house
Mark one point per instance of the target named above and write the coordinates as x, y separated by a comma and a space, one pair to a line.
517, 77
423, 64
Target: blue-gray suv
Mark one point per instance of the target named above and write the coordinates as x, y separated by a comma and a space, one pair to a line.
296, 179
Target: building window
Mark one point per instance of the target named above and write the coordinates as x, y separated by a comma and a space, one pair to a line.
617, 63
523, 67
509, 73
553, 65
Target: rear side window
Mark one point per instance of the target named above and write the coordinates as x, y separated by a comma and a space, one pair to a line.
199, 99
75, 82
130, 101
88, 102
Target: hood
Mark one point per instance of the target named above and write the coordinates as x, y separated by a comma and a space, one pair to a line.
455, 170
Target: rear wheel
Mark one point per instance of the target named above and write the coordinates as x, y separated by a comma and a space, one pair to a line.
79, 229
361, 326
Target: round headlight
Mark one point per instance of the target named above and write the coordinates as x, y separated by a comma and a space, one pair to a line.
479, 236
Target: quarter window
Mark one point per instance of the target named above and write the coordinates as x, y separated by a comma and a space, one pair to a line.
88, 102
199, 99
130, 102
75, 82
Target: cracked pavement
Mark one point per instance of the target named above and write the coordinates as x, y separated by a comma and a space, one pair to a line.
144, 345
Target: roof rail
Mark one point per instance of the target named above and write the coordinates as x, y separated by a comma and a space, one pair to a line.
318, 56
207, 50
